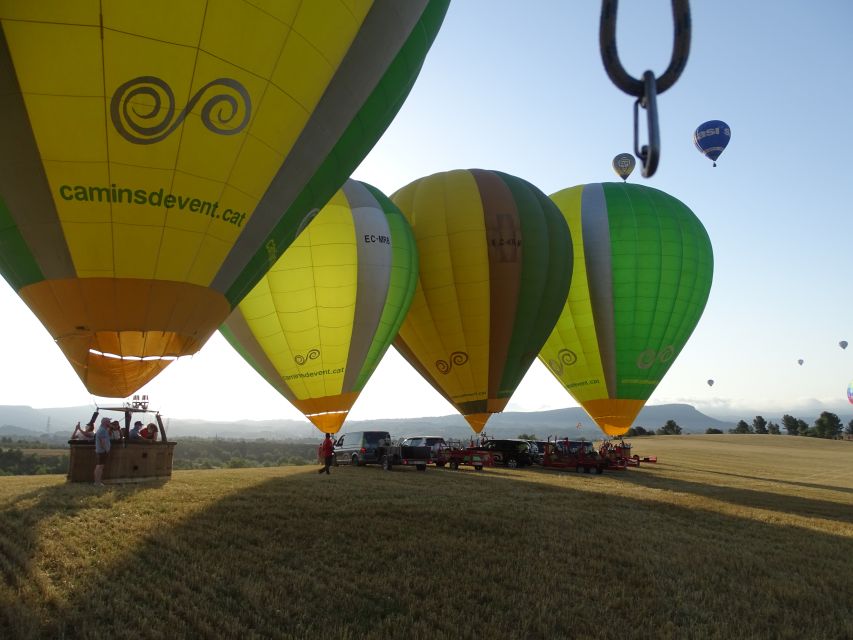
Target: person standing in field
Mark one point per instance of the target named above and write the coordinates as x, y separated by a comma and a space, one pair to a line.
327, 453
102, 450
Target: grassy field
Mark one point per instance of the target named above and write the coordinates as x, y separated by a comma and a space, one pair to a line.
727, 537
45, 453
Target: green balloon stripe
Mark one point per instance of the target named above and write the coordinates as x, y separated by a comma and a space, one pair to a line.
357, 140
546, 271
17, 263
662, 271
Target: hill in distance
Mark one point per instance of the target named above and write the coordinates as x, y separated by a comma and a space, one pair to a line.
25, 421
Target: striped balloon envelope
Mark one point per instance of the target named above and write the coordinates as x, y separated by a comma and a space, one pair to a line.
318, 323
642, 275
495, 266
850, 392
157, 157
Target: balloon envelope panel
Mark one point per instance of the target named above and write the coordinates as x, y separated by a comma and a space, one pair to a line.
316, 326
495, 265
157, 157
642, 274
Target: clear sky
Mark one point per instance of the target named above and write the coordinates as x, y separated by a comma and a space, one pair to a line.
520, 87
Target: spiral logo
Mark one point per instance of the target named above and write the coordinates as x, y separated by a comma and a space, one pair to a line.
648, 357
311, 355
456, 358
143, 109
565, 358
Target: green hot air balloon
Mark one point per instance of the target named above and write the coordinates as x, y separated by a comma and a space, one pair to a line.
643, 266
318, 323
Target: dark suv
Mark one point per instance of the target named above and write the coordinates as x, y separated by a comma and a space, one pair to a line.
361, 447
511, 452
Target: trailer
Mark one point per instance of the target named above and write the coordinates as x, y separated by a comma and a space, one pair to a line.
398, 453
579, 455
456, 454
619, 456
616, 455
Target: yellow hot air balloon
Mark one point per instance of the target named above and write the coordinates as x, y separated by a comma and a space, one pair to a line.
157, 157
495, 266
643, 270
320, 320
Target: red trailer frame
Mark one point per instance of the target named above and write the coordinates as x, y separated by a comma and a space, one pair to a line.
572, 454
618, 454
457, 455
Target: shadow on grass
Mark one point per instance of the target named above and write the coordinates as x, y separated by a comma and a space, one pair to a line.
23, 518
795, 505
792, 483
459, 554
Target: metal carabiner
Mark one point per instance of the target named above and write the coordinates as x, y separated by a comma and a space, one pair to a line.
648, 154
647, 89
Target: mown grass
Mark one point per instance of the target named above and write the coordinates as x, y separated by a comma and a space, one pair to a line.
727, 537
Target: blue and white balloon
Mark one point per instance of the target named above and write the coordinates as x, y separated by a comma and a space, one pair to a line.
711, 138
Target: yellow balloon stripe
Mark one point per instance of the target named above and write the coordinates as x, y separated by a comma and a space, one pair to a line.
450, 310
301, 313
571, 351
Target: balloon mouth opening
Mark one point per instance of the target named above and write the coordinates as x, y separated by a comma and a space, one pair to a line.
115, 356
326, 413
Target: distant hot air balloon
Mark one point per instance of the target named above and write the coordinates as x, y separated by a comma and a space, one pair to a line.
843, 344
155, 163
850, 392
623, 165
710, 383
495, 266
800, 362
711, 138
320, 320
642, 275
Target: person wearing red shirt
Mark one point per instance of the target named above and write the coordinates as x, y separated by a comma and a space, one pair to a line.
327, 453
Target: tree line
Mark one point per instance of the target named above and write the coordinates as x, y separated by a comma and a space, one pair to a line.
671, 428
205, 453
828, 425
14, 462
190, 453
